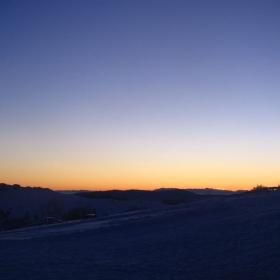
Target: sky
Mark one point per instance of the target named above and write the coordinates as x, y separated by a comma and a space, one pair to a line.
140, 94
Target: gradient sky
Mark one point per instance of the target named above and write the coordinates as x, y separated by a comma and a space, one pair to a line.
140, 94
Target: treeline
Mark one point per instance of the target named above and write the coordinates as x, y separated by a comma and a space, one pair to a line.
51, 213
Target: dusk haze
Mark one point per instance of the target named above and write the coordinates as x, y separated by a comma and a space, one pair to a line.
101, 95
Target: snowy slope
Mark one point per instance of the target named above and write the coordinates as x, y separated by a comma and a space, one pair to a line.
221, 238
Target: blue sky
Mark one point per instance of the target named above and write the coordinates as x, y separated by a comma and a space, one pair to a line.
140, 94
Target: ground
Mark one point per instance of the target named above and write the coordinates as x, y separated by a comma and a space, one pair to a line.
222, 238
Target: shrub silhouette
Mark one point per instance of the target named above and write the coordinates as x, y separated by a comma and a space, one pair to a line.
260, 188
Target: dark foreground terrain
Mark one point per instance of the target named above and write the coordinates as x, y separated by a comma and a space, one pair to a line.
219, 238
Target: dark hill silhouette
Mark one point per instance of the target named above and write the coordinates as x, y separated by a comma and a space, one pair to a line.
167, 196
26, 206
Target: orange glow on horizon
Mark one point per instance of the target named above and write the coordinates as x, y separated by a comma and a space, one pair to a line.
76, 184
140, 174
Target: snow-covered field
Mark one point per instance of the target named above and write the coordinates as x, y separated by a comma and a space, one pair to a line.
220, 238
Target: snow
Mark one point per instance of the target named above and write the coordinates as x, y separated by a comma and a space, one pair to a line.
221, 238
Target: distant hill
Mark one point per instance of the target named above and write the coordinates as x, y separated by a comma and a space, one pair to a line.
71, 191
26, 206
206, 191
211, 191
121, 195
29, 206
166, 196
